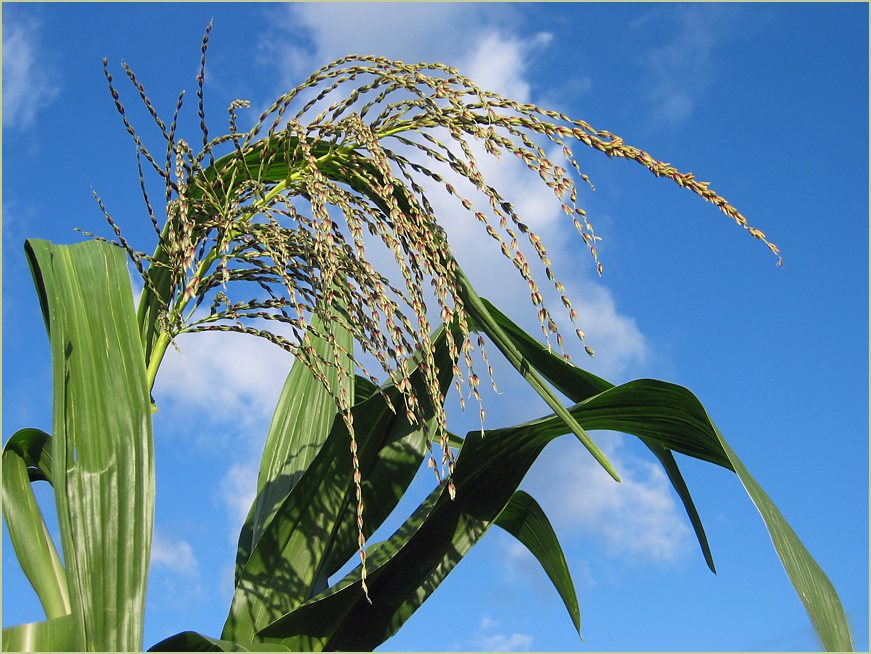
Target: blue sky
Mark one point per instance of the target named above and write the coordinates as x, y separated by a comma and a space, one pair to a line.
767, 101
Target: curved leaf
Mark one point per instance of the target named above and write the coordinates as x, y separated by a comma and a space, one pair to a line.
300, 424
102, 463
406, 569
578, 385
33, 446
30, 450
387, 480
191, 641
314, 526
666, 459
524, 519
674, 418
810, 582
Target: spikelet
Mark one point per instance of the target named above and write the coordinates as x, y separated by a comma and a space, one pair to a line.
283, 211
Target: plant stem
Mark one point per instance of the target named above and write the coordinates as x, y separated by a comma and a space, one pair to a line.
158, 349
163, 339
156, 357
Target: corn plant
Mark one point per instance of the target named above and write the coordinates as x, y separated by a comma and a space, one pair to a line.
269, 232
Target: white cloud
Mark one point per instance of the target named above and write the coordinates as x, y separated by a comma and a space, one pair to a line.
174, 555
487, 641
175, 579
681, 68
221, 389
232, 379
237, 491
406, 31
638, 519
620, 346
499, 61
474, 38
28, 82
488, 622
518, 558
513, 642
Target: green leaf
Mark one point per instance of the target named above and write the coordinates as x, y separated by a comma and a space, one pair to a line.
389, 475
363, 388
578, 385
484, 321
102, 459
55, 635
673, 417
666, 459
288, 563
407, 568
33, 446
191, 641
29, 451
301, 423
524, 519
810, 582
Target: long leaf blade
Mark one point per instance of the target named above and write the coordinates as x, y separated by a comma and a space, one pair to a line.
524, 519
578, 385
301, 422
674, 418
103, 472
36, 552
407, 568
191, 641
815, 590
291, 558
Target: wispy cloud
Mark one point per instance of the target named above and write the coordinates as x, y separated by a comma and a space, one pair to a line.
175, 573
304, 36
174, 555
638, 519
512, 642
499, 62
237, 491
489, 639
230, 379
680, 67
311, 34
29, 82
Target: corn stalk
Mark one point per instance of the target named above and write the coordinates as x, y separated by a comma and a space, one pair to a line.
269, 233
